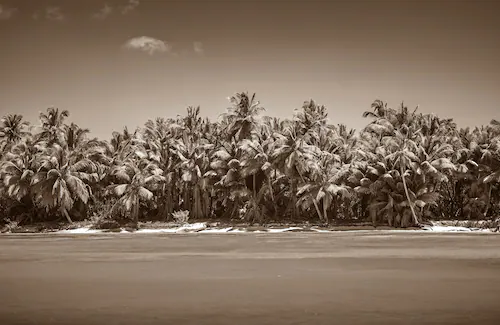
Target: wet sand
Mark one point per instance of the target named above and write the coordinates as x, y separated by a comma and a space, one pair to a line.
288, 278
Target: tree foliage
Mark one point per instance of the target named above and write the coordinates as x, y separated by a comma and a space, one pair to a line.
403, 168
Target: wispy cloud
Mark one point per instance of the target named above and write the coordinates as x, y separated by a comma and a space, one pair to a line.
130, 6
6, 13
54, 13
198, 48
147, 44
103, 13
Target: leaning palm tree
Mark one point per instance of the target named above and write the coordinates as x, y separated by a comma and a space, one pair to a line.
403, 156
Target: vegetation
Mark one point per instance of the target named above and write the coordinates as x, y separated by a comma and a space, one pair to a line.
403, 168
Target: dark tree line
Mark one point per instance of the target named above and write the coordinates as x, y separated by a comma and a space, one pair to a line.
402, 168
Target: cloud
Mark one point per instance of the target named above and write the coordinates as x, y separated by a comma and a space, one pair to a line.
130, 6
147, 44
103, 13
6, 13
54, 13
198, 48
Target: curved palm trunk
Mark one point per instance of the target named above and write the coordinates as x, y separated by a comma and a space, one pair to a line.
270, 184
318, 211
66, 214
408, 197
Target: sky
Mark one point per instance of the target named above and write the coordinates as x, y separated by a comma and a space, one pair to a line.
121, 62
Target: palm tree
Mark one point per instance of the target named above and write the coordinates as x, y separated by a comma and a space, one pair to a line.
16, 171
290, 155
401, 168
241, 117
61, 180
75, 136
257, 167
310, 119
227, 177
12, 130
52, 126
137, 183
194, 164
403, 157
325, 186
157, 140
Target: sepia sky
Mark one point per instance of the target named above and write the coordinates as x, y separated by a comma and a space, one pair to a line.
118, 62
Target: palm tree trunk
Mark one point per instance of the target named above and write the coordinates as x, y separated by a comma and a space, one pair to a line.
489, 201
205, 202
186, 199
318, 211
67, 216
325, 215
135, 211
169, 204
197, 204
271, 189
390, 217
335, 208
373, 215
294, 198
254, 189
408, 197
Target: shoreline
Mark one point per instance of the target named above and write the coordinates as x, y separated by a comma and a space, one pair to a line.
83, 228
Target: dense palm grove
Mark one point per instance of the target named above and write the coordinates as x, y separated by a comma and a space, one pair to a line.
403, 168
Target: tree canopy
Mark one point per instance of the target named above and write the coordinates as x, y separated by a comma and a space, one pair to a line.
402, 168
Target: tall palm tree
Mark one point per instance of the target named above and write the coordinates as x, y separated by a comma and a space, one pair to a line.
12, 130
75, 136
137, 182
290, 155
52, 126
325, 186
242, 116
17, 169
61, 180
403, 156
194, 164
228, 179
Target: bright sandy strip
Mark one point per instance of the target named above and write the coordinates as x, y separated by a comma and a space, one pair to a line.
202, 228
